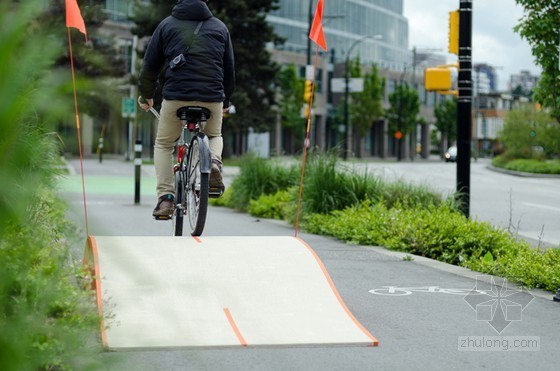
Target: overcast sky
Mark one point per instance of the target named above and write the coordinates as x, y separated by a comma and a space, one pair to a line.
494, 41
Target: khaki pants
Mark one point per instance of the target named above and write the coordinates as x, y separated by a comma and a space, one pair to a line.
169, 131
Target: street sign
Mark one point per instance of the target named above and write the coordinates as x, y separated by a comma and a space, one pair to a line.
355, 85
128, 107
310, 72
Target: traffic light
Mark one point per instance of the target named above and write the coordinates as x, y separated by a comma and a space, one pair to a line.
308, 90
454, 32
437, 79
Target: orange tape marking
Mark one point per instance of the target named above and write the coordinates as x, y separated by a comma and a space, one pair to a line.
97, 285
235, 328
375, 342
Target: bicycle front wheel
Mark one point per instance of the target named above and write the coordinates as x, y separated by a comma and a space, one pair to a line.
197, 185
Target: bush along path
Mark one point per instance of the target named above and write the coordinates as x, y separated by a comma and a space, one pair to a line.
46, 321
362, 209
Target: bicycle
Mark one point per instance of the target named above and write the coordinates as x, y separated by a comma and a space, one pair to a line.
192, 171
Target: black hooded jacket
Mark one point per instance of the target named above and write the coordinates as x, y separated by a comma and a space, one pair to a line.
208, 74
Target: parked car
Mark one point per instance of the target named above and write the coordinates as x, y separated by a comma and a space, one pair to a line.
451, 154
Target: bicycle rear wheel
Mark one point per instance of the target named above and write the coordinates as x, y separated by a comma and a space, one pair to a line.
197, 185
179, 203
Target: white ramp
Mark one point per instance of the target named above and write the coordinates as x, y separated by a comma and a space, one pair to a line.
170, 292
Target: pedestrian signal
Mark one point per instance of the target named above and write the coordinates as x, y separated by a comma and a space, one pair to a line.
437, 79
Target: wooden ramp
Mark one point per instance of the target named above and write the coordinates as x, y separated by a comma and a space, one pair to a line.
174, 292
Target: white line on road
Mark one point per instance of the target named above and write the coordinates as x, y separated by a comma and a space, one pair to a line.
546, 207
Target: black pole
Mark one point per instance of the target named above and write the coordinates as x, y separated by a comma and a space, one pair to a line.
464, 107
100, 149
346, 113
310, 23
137, 170
557, 297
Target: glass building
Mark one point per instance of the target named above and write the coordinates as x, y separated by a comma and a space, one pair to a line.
377, 26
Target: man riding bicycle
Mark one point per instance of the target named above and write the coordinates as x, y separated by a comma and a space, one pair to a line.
196, 51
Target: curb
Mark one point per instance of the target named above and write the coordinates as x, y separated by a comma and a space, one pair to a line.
521, 173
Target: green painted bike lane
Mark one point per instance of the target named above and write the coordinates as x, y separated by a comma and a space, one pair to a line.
106, 185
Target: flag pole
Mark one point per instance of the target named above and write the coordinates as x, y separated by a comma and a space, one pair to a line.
316, 34
78, 130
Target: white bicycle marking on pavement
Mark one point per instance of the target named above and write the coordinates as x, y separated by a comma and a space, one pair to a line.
404, 291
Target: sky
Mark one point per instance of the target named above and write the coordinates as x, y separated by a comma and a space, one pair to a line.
493, 39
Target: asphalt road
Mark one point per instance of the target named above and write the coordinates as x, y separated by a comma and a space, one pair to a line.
418, 309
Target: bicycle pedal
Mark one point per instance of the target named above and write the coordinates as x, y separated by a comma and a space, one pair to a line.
163, 217
215, 192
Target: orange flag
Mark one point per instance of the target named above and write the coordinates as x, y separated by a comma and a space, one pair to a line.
74, 17
316, 34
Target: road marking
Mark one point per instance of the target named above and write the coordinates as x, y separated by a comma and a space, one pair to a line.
405, 291
234, 327
546, 207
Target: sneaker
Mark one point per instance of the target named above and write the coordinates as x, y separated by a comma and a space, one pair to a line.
216, 181
164, 207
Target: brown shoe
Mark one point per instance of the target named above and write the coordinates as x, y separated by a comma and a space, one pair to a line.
216, 180
164, 207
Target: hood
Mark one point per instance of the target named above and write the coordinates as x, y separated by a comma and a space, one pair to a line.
195, 10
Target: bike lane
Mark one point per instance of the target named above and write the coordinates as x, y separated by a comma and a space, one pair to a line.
423, 312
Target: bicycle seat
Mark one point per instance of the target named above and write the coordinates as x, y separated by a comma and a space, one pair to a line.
193, 113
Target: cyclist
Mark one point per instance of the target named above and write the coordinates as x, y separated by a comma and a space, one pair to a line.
196, 50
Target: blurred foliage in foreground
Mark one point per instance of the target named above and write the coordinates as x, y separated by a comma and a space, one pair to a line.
46, 321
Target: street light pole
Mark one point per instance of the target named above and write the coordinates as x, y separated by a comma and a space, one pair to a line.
310, 22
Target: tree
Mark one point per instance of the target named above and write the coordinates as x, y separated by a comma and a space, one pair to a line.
403, 112
539, 26
255, 72
366, 105
146, 17
526, 129
446, 121
290, 103
97, 58
97, 64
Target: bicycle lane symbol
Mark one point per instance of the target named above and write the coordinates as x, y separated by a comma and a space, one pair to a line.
405, 291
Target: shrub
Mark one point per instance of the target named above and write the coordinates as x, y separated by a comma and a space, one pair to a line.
526, 265
45, 319
259, 176
329, 187
275, 206
440, 232
534, 166
326, 189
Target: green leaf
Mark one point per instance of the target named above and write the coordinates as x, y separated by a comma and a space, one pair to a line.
488, 257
